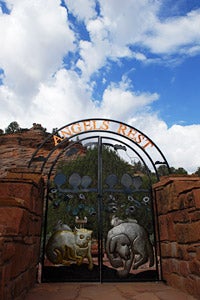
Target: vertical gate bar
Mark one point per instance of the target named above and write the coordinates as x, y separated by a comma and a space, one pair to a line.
100, 248
154, 220
157, 239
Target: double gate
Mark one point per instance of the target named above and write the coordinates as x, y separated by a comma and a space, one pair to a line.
99, 213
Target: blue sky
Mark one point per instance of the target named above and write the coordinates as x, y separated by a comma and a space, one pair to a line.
133, 61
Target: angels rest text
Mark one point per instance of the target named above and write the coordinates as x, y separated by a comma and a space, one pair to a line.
103, 125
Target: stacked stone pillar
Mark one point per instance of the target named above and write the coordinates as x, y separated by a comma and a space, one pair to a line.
178, 206
21, 205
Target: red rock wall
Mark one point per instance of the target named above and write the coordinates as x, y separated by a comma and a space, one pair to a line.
178, 205
21, 202
17, 149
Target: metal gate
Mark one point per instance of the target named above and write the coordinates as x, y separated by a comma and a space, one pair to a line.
99, 212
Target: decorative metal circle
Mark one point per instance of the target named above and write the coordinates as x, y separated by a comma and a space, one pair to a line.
146, 199
60, 179
131, 209
82, 197
130, 198
114, 209
75, 180
137, 182
86, 181
126, 180
111, 180
53, 190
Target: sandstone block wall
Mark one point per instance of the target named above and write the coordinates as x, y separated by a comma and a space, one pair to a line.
178, 205
21, 202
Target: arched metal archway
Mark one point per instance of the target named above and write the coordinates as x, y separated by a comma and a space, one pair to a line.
112, 206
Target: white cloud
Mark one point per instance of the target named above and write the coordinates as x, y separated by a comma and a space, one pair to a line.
122, 25
181, 144
174, 34
82, 12
111, 33
122, 103
66, 98
91, 59
34, 38
178, 143
36, 88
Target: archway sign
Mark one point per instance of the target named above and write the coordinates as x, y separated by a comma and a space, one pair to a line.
143, 147
99, 222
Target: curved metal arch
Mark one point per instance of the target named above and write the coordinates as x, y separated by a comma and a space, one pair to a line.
90, 137
96, 137
82, 133
117, 122
100, 130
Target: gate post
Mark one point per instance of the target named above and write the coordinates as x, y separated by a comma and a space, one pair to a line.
178, 207
21, 206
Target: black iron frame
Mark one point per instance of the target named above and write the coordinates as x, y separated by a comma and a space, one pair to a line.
111, 136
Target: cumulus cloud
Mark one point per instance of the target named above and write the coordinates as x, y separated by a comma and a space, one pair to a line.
66, 97
62, 99
113, 31
181, 144
123, 25
36, 37
120, 101
175, 35
82, 12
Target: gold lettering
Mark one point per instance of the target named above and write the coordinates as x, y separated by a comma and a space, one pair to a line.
66, 131
140, 138
105, 125
87, 126
94, 125
121, 129
131, 134
76, 128
147, 144
90, 125
57, 139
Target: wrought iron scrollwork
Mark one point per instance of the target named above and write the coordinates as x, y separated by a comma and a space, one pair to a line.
77, 188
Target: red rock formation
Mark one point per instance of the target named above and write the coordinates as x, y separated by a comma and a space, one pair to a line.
17, 149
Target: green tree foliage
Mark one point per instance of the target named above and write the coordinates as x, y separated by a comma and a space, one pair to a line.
13, 127
163, 170
178, 171
138, 167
